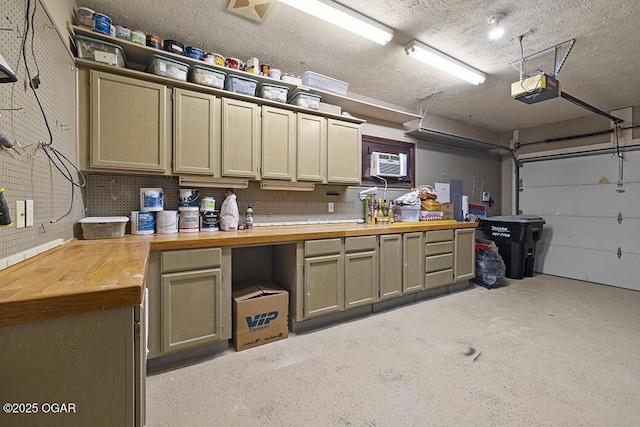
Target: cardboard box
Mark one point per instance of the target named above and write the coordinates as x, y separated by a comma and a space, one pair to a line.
447, 210
260, 311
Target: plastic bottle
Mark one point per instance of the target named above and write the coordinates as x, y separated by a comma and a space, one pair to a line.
249, 218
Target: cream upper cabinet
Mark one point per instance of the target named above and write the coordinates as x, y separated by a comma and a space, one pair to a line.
278, 143
312, 148
241, 132
129, 122
344, 152
196, 133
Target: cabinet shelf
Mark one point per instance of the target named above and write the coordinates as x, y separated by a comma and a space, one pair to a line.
140, 55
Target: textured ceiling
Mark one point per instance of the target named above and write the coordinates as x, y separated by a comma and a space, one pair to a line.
601, 70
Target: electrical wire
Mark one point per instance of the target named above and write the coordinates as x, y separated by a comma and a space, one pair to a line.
58, 159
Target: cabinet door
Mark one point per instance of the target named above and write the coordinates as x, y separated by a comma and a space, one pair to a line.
240, 138
344, 148
390, 266
464, 253
360, 279
128, 124
191, 309
278, 143
196, 138
312, 148
413, 259
323, 285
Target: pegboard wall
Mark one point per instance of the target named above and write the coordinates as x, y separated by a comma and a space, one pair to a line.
120, 194
27, 174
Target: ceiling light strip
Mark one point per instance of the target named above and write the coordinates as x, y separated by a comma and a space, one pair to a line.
444, 62
345, 18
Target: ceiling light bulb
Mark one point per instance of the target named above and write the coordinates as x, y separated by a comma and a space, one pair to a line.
496, 30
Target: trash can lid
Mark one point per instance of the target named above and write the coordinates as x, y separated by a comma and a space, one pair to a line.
515, 218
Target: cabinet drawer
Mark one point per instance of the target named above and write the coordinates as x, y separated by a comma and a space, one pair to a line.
439, 248
438, 236
439, 278
439, 262
360, 244
321, 247
190, 259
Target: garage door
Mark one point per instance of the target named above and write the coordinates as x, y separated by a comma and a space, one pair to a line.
592, 230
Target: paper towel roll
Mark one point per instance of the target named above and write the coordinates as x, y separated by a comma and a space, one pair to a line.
465, 207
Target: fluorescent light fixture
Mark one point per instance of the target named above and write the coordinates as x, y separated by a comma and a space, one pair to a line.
211, 182
6, 73
267, 184
496, 30
344, 18
444, 62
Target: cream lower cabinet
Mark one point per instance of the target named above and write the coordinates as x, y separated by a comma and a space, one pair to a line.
196, 133
323, 277
311, 148
124, 124
438, 258
413, 262
361, 283
278, 143
390, 261
464, 254
344, 152
241, 137
189, 299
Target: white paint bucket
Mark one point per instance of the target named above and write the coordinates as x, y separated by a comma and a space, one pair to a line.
167, 222
151, 199
189, 196
142, 222
209, 220
189, 221
207, 204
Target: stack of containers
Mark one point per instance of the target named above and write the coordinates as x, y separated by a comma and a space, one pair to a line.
189, 213
144, 220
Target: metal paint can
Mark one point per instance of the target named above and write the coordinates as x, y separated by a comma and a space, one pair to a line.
138, 37
265, 69
84, 17
102, 23
234, 63
194, 52
189, 219
167, 222
123, 32
207, 204
142, 222
151, 199
154, 41
209, 220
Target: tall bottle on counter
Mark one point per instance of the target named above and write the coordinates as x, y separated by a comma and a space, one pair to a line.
248, 222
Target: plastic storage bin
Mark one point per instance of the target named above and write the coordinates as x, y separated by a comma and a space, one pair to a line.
311, 79
516, 237
274, 92
239, 84
307, 100
407, 213
104, 227
207, 76
168, 67
97, 50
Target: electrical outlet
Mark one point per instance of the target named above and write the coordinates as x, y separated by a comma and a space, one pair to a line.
20, 214
330, 207
29, 212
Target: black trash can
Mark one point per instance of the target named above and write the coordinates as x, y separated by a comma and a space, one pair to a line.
516, 237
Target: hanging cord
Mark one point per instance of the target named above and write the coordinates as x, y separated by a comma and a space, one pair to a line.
58, 159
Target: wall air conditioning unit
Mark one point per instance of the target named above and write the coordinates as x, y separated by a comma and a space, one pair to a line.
385, 164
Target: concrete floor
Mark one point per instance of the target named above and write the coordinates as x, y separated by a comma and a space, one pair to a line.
540, 351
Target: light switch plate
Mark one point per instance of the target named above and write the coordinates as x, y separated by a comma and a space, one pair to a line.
29, 217
20, 214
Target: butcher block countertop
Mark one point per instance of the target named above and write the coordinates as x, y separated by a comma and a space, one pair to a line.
88, 275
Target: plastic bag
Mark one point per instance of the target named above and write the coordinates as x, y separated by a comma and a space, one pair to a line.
490, 268
229, 214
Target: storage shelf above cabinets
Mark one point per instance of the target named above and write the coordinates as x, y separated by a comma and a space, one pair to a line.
140, 55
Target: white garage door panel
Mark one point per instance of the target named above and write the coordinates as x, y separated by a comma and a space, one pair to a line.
595, 266
601, 233
576, 171
586, 200
581, 236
